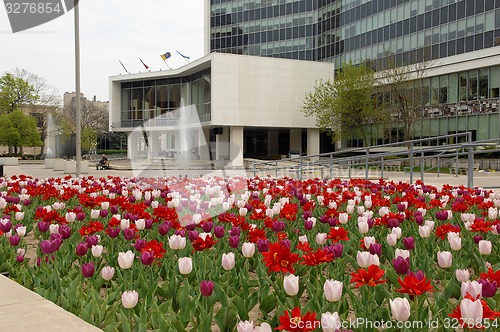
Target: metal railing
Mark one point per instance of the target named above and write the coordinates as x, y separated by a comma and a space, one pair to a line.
354, 162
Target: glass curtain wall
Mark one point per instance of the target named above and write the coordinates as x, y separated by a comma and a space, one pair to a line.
142, 101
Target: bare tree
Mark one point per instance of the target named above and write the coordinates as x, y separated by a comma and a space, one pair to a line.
403, 91
93, 116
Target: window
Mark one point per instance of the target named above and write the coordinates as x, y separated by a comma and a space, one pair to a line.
483, 83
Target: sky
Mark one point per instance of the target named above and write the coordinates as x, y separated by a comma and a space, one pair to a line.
110, 31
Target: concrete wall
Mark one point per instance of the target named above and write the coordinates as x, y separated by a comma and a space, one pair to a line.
266, 92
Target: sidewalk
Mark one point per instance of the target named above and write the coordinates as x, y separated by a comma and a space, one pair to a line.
25, 311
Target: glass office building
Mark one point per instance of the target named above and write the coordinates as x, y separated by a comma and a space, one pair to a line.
353, 30
460, 38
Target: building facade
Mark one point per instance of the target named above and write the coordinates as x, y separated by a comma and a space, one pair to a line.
219, 107
460, 39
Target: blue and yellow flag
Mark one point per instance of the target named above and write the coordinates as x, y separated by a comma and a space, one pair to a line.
166, 56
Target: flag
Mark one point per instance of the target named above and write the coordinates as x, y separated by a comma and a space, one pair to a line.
166, 56
145, 66
184, 56
123, 66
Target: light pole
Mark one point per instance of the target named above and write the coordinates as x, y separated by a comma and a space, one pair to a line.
77, 79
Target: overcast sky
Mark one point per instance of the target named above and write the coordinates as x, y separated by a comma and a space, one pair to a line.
110, 30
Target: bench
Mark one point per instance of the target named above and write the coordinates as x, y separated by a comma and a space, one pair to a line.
392, 166
462, 167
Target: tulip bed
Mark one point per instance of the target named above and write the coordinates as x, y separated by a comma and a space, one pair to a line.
255, 254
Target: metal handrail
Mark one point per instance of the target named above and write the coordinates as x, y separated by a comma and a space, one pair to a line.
331, 160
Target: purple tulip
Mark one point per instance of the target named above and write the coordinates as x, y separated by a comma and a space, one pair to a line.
286, 243
332, 222
45, 246
80, 216
419, 220
263, 245
128, 233
370, 222
164, 228
477, 238
235, 231
307, 214
193, 235
324, 219
147, 257
20, 258
278, 226
82, 248
219, 232
103, 213
113, 209
401, 265
65, 231
43, 226
234, 241
401, 207
308, 225
190, 227
5, 227
375, 249
207, 287
442, 215
180, 232
393, 222
148, 223
113, 232
88, 269
498, 228
92, 240
409, 243
419, 274
139, 244
55, 244
26, 202
14, 240
489, 288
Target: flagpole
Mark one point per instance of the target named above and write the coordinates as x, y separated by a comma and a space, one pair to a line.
77, 83
167, 64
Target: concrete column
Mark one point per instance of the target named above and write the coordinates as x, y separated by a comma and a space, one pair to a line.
154, 144
132, 146
296, 139
272, 142
203, 143
312, 141
236, 146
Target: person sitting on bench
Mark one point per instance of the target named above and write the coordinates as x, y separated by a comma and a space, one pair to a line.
103, 163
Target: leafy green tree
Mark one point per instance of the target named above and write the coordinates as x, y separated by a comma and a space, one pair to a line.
346, 103
14, 92
89, 139
18, 130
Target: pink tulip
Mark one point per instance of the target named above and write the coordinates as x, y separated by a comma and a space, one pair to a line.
107, 272
485, 247
462, 275
444, 259
330, 322
400, 309
473, 288
126, 259
365, 259
245, 326
332, 289
130, 299
472, 312
185, 265
248, 249
291, 284
228, 261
